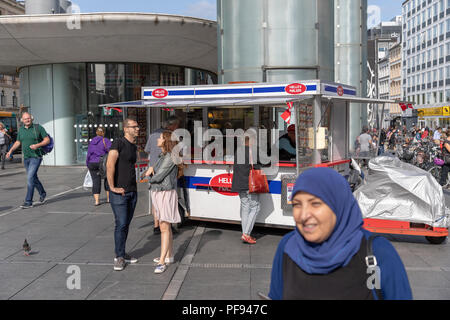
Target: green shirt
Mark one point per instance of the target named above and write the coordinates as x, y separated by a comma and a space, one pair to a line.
33, 135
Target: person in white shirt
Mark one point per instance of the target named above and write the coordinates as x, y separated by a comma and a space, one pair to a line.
437, 136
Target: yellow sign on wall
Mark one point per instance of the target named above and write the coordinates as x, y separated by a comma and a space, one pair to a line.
430, 112
446, 111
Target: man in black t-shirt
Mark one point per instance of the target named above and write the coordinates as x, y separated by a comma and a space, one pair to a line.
121, 176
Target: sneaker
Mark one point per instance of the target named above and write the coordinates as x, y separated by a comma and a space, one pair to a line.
119, 264
26, 205
41, 200
167, 260
130, 259
160, 268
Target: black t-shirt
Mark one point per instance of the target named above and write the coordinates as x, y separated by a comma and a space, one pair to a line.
125, 174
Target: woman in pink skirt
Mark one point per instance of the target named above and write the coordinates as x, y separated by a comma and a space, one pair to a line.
163, 186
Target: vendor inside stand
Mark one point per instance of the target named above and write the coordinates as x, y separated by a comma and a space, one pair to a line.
287, 144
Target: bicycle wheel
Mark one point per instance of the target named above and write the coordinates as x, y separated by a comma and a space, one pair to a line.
436, 172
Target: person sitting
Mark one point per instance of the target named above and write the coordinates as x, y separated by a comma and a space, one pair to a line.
325, 256
287, 144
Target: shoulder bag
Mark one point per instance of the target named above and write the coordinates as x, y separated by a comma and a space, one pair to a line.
257, 180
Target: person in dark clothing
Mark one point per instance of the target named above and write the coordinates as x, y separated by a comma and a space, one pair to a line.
446, 167
382, 140
98, 147
324, 257
122, 182
250, 204
287, 144
5, 139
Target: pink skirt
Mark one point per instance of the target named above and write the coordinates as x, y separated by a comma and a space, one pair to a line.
166, 206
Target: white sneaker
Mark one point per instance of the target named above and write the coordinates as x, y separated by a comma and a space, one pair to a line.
167, 260
130, 259
160, 268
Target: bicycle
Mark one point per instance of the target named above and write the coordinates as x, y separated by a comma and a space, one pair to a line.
436, 171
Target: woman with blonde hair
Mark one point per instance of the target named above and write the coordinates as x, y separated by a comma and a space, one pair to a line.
98, 147
163, 186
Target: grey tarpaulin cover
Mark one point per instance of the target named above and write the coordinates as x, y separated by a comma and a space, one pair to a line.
396, 190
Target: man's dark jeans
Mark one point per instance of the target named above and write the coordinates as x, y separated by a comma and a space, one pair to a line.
32, 167
123, 208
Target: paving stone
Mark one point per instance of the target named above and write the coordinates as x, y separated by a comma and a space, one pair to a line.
122, 290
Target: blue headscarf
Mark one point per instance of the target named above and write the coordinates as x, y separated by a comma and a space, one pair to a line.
345, 239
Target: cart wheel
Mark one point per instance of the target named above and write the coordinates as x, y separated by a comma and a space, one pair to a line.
435, 240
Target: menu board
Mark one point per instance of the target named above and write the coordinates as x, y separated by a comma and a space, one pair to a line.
305, 137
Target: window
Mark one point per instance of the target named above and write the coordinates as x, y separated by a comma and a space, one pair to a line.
14, 100
3, 99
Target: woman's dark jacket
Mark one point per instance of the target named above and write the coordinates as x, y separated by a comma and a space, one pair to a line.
241, 172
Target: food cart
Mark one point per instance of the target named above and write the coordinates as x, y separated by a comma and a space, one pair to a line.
319, 110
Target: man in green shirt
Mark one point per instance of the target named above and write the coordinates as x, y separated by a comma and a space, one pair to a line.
32, 138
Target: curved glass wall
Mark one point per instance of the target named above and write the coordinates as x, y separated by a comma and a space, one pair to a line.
64, 99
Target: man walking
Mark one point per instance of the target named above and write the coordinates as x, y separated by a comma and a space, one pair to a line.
32, 138
121, 177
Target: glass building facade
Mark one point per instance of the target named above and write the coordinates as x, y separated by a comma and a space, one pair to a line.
65, 99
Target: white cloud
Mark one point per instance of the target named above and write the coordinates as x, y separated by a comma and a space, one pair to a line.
205, 9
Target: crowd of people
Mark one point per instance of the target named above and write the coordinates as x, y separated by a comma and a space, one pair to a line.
412, 145
328, 239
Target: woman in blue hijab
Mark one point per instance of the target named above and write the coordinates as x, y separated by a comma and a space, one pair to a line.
325, 256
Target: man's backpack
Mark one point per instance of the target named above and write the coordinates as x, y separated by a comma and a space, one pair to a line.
47, 148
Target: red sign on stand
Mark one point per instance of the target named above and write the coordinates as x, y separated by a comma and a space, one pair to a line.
340, 91
295, 88
160, 93
222, 184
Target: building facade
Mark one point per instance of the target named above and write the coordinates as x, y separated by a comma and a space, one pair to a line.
66, 73
395, 80
9, 84
426, 57
381, 38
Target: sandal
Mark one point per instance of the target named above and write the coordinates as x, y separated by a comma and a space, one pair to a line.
166, 261
248, 239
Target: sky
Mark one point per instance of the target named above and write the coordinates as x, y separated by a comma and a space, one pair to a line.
384, 10
197, 8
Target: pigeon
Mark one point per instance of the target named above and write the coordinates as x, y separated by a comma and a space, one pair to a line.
26, 248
